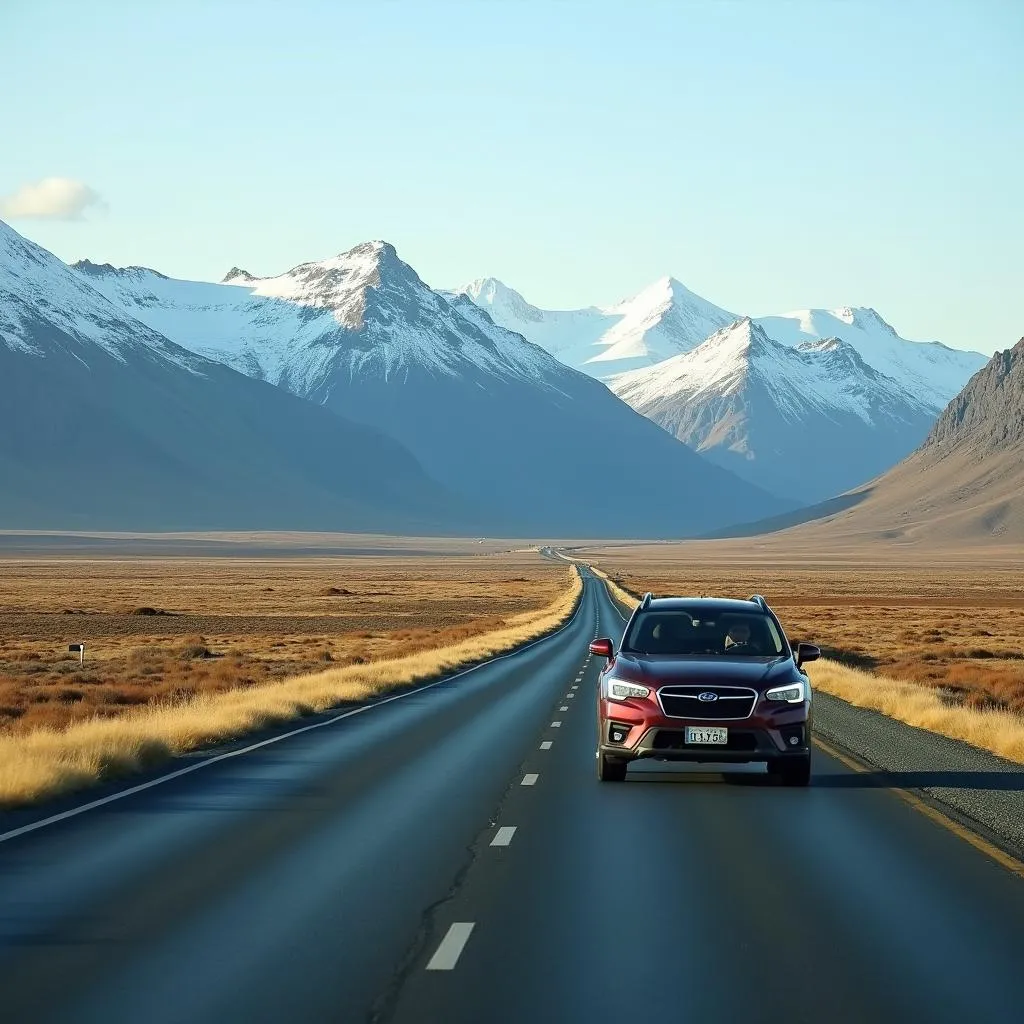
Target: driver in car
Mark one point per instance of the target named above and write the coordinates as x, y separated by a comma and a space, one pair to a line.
738, 637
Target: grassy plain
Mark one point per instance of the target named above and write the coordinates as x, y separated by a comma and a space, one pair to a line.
163, 630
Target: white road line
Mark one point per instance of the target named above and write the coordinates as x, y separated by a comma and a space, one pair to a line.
93, 804
546, 745
529, 779
447, 954
570, 695
556, 725
564, 707
575, 687
504, 835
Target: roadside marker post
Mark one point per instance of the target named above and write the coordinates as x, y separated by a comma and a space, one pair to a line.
78, 649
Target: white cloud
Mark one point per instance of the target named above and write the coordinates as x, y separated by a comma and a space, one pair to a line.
50, 199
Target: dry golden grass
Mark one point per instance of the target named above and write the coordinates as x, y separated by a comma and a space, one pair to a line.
944, 642
619, 593
1001, 732
46, 762
233, 623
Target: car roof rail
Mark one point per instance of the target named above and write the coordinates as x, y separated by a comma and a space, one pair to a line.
646, 600
758, 599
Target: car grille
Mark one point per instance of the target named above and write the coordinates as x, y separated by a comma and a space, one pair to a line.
731, 702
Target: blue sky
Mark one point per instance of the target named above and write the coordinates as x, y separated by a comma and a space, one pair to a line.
769, 155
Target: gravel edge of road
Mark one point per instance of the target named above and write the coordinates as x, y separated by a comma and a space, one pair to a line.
964, 781
958, 779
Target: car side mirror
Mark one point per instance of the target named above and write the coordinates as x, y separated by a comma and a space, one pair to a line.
602, 648
805, 653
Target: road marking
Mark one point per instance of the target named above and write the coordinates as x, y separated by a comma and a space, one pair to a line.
446, 956
564, 707
982, 845
575, 687
131, 791
569, 696
529, 779
504, 835
556, 725
546, 745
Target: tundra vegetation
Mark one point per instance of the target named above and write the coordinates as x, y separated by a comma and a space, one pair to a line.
241, 646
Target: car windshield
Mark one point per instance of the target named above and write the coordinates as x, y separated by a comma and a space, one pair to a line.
702, 631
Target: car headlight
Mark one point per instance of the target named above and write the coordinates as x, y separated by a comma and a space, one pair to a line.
623, 691
792, 693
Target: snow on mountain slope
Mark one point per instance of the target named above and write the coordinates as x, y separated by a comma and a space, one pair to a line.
929, 369
364, 309
809, 421
661, 321
572, 336
35, 286
667, 319
492, 416
106, 424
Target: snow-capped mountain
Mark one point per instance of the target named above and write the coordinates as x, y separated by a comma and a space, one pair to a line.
361, 311
492, 416
107, 424
661, 321
667, 319
809, 421
928, 369
722, 402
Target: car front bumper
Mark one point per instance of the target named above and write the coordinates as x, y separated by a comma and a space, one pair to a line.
769, 733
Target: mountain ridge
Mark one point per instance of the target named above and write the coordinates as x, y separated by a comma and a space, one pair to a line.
108, 424
362, 334
810, 421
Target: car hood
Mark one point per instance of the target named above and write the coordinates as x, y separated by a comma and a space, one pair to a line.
656, 670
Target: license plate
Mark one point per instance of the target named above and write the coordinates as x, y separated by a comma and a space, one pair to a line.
705, 734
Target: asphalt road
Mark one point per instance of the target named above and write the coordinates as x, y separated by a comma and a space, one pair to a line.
354, 872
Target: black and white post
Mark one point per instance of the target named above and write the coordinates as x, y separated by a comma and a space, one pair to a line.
78, 649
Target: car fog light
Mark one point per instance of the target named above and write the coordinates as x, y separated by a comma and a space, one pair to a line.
794, 740
618, 733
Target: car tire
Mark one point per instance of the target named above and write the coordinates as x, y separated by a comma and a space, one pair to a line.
792, 771
609, 770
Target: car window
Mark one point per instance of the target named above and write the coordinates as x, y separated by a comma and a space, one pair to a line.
696, 631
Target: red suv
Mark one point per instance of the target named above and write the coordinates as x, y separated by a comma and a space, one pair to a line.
705, 679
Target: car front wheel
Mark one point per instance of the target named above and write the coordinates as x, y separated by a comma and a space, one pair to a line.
792, 771
609, 770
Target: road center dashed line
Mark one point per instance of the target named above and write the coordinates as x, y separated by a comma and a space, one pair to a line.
503, 837
546, 745
530, 779
447, 954
556, 725
564, 707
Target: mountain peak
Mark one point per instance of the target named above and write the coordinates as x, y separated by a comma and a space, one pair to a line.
497, 298
237, 274
743, 337
376, 248
91, 269
864, 317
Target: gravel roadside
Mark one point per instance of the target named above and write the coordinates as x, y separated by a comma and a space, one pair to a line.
980, 790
